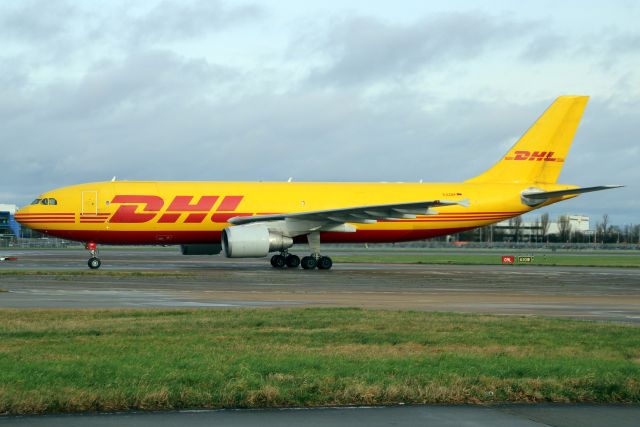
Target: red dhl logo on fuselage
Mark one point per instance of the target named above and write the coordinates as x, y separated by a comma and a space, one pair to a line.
136, 209
540, 156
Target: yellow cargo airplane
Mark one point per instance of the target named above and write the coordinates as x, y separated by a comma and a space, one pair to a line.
244, 219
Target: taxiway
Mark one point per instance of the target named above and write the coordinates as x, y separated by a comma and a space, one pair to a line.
161, 277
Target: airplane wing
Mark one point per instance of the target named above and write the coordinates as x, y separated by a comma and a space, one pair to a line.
357, 214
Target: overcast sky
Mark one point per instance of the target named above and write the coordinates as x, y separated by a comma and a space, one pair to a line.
314, 90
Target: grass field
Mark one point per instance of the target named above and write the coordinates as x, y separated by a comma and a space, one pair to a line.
550, 259
87, 360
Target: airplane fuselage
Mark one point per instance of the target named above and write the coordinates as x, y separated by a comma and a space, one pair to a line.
147, 213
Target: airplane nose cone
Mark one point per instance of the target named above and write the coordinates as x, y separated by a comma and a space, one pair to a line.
20, 213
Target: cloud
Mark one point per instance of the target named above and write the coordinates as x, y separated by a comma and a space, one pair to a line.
61, 34
308, 134
36, 21
140, 81
170, 21
544, 47
608, 48
119, 115
363, 49
145, 99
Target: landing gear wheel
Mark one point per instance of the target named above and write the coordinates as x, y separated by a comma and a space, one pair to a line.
277, 261
94, 263
292, 261
324, 263
308, 263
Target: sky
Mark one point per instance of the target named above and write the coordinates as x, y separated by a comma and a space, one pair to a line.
315, 90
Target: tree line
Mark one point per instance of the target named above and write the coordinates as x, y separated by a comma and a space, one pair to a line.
538, 231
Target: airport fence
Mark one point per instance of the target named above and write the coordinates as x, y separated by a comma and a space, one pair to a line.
426, 244
52, 242
40, 243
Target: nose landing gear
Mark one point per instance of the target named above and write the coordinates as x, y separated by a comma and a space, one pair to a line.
94, 261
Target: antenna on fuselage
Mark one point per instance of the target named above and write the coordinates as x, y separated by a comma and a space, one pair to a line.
113, 179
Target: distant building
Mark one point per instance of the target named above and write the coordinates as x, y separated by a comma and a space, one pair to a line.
579, 223
530, 231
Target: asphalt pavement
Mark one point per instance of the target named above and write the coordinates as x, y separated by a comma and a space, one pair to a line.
132, 277
432, 416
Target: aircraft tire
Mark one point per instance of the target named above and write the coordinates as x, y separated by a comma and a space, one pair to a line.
308, 263
278, 261
94, 263
292, 261
324, 263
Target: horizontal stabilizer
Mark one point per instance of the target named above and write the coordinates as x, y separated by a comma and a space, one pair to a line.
560, 193
534, 197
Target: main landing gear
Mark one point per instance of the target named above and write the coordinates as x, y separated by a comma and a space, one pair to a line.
285, 259
308, 262
94, 261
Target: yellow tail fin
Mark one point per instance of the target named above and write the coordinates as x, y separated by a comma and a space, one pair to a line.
539, 154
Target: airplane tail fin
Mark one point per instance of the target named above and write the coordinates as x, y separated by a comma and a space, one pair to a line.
539, 154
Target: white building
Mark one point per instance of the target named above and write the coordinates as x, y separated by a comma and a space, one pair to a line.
530, 229
8, 208
579, 223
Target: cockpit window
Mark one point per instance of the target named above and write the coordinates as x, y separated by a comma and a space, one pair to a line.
46, 201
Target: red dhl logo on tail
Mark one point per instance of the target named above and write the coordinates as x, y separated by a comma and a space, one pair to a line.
539, 156
136, 209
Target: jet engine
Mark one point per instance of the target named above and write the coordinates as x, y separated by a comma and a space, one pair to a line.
252, 241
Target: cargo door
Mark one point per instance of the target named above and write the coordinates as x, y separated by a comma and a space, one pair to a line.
89, 203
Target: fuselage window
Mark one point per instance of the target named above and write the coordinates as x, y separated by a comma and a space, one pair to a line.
53, 202
45, 201
35, 202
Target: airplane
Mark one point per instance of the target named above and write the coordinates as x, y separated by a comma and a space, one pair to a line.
253, 219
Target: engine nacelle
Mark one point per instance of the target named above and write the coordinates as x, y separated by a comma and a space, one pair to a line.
201, 249
252, 241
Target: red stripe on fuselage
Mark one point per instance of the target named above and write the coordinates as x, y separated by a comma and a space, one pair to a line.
44, 213
137, 237
48, 221
446, 220
33, 218
192, 237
